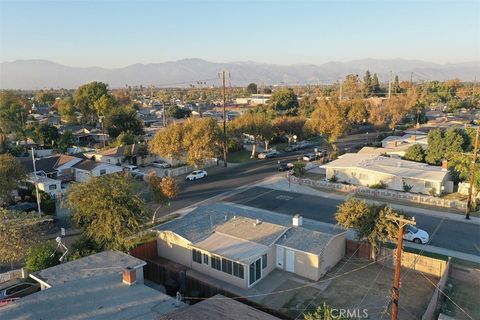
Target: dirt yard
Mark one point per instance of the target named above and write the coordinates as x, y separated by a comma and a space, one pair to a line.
368, 288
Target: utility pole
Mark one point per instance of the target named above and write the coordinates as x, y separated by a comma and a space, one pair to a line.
36, 183
341, 90
472, 176
225, 142
390, 86
401, 222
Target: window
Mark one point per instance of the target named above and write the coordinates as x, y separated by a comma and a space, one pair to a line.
238, 270
205, 258
215, 262
264, 261
255, 271
196, 256
103, 171
17, 288
52, 187
227, 266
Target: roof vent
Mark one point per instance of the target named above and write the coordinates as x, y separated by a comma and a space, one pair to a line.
225, 217
297, 220
257, 222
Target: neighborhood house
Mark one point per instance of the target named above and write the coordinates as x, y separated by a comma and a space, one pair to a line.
396, 174
242, 245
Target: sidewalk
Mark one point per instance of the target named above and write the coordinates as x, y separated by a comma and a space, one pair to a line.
279, 182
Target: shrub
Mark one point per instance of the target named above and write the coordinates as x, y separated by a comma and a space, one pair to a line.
407, 187
299, 169
42, 257
333, 179
432, 192
379, 185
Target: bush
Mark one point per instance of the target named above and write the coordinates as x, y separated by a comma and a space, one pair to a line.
415, 153
333, 179
407, 187
379, 185
432, 192
299, 169
42, 257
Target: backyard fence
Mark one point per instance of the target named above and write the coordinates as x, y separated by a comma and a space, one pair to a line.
437, 294
381, 193
14, 274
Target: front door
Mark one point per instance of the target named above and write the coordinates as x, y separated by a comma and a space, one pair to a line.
290, 264
279, 259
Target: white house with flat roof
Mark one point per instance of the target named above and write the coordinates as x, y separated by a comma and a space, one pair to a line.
242, 245
370, 169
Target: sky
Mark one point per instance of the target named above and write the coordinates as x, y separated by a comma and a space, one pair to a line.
115, 34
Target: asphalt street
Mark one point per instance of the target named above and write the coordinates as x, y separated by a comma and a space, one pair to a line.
454, 235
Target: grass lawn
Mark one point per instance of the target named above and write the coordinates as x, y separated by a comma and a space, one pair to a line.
240, 157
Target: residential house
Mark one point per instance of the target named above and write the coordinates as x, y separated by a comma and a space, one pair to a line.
51, 186
114, 155
218, 307
370, 169
58, 166
408, 140
86, 169
242, 245
106, 285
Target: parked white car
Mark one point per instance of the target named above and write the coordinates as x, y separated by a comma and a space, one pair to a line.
130, 168
416, 235
161, 164
197, 174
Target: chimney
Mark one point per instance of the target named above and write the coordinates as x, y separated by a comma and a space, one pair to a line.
297, 220
129, 276
444, 165
413, 138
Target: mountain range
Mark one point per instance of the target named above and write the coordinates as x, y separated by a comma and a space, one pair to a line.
40, 74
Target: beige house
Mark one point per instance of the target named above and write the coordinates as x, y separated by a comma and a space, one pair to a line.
370, 169
242, 245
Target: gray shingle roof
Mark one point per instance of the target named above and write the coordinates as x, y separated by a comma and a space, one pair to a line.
199, 224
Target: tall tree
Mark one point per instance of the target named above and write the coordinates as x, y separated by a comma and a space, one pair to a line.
255, 124
370, 221
123, 119
329, 119
290, 127
375, 85
104, 105
367, 84
85, 97
196, 140
284, 100
67, 110
252, 88
11, 172
47, 135
436, 147
107, 208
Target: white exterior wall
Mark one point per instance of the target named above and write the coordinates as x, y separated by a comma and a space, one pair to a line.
333, 253
359, 176
84, 175
45, 186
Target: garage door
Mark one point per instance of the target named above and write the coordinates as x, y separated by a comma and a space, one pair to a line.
290, 265
279, 258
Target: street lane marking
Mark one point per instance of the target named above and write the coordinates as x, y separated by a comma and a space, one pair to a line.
283, 197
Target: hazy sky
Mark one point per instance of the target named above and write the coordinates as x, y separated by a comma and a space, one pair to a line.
119, 33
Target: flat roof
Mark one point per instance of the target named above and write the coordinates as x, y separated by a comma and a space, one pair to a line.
95, 297
231, 247
386, 165
106, 262
218, 308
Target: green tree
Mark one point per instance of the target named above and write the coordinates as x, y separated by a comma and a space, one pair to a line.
436, 147
47, 135
375, 89
163, 190
284, 100
13, 115
41, 257
104, 104
454, 140
11, 172
66, 140
85, 97
367, 84
107, 208
415, 153
18, 232
66, 110
169, 142
123, 120
177, 112
370, 221
201, 140
252, 88
45, 97
256, 124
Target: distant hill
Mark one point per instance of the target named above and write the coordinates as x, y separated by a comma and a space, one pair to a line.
39, 74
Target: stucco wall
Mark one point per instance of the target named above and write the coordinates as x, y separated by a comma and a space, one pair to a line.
208, 270
352, 176
305, 264
174, 248
333, 253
